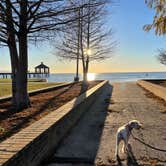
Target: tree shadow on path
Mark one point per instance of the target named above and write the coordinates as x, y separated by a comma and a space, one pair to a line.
82, 143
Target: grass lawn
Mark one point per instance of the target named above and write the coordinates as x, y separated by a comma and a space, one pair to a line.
5, 89
5, 80
12, 121
8, 80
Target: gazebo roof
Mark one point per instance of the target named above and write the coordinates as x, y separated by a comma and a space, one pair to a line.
41, 66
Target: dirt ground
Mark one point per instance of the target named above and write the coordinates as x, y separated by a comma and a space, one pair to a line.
41, 104
129, 101
93, 139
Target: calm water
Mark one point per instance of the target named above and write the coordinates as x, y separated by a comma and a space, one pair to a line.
112, 77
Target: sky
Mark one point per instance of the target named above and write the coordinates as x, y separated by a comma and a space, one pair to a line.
135, 52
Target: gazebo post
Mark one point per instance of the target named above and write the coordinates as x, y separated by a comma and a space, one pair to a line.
48, 71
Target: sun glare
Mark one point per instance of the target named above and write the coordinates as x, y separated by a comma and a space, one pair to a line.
91, 76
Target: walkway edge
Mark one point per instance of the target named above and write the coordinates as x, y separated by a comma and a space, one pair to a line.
32, 145
153, 88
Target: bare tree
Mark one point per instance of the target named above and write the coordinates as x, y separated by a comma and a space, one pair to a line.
162, 56
88, 38
158, 24
21, 21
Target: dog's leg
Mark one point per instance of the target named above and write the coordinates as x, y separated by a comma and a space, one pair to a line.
126, 145
118, 138
123, 147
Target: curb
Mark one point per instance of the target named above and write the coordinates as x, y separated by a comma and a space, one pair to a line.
37, 142
153, 88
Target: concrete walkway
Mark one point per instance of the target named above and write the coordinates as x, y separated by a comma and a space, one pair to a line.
93, 139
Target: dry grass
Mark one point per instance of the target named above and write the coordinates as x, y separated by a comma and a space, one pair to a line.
12, 121
6, 89
8, 80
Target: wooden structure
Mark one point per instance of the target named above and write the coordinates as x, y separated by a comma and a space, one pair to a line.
29, 75
5, 75
42, 70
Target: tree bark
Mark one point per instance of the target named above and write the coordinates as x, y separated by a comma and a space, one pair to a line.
19, 60
85, 71
14, 69
22, 97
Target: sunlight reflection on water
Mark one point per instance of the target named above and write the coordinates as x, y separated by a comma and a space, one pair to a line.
91, 76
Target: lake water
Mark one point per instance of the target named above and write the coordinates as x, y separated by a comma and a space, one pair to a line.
112, 77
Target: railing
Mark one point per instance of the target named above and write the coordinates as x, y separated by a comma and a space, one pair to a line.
30, 75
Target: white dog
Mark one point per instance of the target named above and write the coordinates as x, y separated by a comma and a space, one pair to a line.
124, 133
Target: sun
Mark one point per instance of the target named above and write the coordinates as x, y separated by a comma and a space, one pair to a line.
91, 76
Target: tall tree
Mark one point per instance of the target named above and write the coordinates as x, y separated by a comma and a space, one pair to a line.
159, 20
89, 35
162, 56
158, 24
21, 21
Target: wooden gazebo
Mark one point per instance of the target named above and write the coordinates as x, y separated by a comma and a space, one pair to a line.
42, 69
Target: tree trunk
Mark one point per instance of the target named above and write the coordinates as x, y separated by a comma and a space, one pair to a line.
85, 77
19, 63
22, 97
14, 69
85, 71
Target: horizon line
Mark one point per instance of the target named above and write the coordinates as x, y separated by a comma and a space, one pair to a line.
101, 72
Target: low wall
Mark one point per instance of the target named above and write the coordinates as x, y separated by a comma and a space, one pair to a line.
154, 88
37, 142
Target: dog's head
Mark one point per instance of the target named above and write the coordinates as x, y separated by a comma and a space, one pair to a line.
135, 124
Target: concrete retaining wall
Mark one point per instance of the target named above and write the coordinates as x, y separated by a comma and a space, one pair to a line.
37, 142
155, 89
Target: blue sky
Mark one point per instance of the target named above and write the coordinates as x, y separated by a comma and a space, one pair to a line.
136, 49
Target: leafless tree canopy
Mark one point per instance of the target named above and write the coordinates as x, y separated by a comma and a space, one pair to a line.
162, 56
87, 38
24, 20
39, 15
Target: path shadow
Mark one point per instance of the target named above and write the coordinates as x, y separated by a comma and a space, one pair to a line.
82, 142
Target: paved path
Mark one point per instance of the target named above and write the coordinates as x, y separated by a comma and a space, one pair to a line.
93, 138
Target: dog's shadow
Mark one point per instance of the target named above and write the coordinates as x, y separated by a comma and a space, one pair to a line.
131, 160
119, 163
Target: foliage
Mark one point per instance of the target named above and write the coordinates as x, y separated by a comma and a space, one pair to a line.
159, 20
